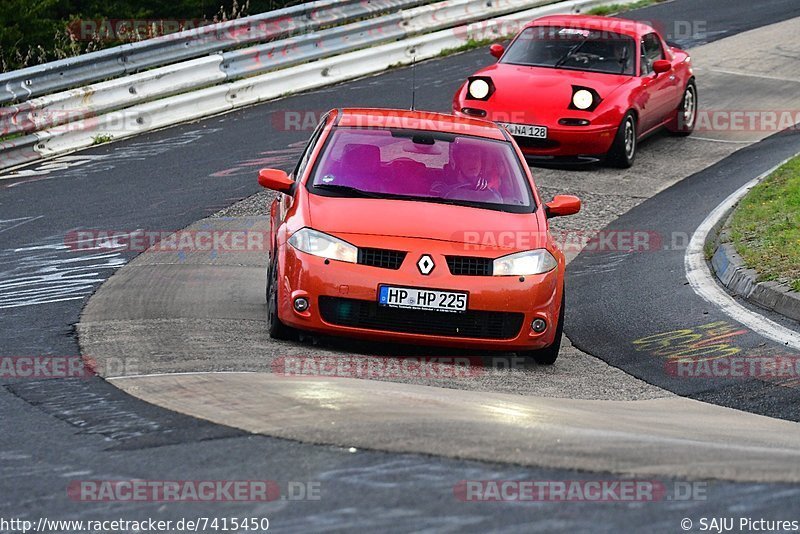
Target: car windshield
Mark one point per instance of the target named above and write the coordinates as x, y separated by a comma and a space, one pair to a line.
573, 48
422, 165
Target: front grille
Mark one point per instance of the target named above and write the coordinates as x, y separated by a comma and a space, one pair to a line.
532, 142
369, 315
379, 257
469, 266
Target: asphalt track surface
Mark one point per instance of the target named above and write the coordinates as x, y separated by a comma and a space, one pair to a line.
67, 429
618, 325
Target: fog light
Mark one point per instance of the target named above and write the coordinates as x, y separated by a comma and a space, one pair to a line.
301, 304
573, 122
538, 325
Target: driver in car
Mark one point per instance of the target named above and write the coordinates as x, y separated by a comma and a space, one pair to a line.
468, 177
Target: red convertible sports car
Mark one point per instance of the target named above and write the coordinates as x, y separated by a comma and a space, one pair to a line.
419, 228
583, 88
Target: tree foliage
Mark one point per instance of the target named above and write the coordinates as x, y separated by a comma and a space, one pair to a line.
37, 31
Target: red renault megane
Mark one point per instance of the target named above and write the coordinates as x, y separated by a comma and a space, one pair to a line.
419, 228
583, 88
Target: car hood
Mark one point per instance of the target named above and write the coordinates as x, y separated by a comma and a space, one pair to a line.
543, 87
425, 220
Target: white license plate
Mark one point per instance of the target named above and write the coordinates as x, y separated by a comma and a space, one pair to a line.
527, 130
422, 299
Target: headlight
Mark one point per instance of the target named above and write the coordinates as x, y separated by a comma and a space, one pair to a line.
525, 263
582, 99
323, 245
479, 87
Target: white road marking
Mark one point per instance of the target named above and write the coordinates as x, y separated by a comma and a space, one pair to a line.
124, 154
60, 164
696, 138
49, 273
8, 224
186, 373
756, 75
703, 281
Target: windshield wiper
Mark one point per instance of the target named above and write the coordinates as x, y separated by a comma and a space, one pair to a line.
577, 46
347, 189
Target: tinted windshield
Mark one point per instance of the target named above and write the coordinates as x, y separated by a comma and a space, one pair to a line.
573, 48
421, 165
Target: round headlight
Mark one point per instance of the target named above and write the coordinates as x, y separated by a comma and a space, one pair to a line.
582, 99
479, 89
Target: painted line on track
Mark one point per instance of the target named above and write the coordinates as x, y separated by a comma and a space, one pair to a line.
704, 283
187, 373
756, 75
726, 141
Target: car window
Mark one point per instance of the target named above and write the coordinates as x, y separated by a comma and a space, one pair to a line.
304, 157
430, 166
652, 51
573, 48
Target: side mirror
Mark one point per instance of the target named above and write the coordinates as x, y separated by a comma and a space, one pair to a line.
497, 50
277, 180
661, 66
563, 205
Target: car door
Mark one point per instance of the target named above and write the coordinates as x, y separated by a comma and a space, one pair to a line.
659, 90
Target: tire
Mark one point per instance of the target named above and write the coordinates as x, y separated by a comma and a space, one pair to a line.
685, 119
275, 328
549, 355
623, 150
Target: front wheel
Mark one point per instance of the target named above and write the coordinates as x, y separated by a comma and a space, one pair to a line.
275, 328
549, 355
686, 114
623, 150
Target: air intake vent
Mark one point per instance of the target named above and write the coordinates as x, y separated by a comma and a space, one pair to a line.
383, 258
469, 266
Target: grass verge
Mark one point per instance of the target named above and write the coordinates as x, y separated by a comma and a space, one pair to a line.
471, 44
765, 227
615, 9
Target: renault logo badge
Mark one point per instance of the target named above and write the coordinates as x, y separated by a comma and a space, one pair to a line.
425, 264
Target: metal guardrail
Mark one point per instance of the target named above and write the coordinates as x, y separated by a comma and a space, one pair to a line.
23, 84
77, 104
61, 108
301, 49
192, 89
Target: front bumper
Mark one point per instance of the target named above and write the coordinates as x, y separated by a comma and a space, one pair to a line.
343, 300
591, 142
